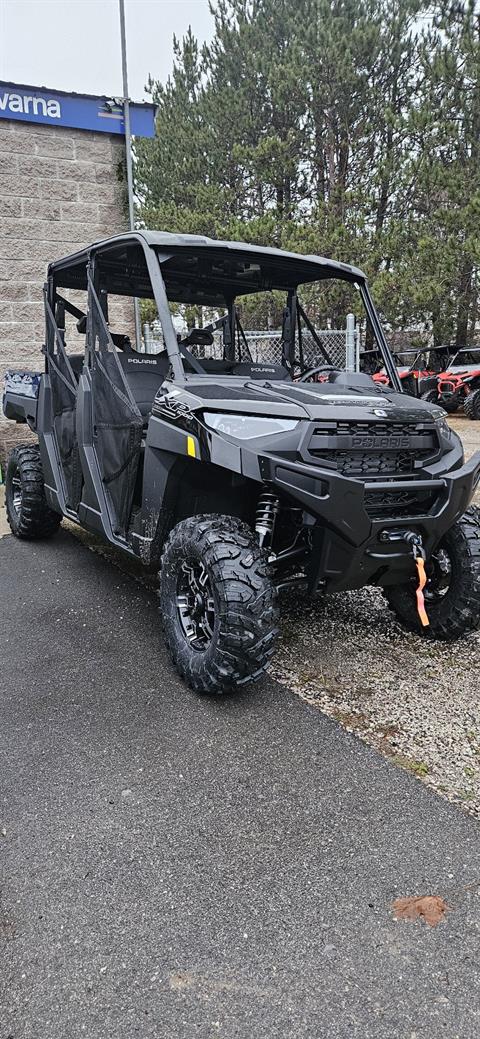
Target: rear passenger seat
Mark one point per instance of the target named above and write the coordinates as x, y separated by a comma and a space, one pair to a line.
144, 374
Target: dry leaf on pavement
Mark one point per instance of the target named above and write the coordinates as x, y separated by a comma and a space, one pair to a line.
430, 908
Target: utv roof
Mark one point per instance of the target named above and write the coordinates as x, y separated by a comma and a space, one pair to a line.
196, 268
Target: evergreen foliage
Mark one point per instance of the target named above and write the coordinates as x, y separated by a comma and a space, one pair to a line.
333, 127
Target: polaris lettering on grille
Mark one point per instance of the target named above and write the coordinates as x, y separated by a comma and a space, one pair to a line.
371, 443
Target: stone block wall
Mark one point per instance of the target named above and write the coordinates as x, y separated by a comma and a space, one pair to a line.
60, 189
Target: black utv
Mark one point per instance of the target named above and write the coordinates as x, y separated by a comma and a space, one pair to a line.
238, 471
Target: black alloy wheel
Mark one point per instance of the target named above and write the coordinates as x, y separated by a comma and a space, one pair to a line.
196, 605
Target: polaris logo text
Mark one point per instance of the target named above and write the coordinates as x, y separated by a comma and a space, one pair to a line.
29, 105
392, 443
140, 360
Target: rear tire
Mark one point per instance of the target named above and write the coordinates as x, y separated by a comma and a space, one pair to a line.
471, 405
218, 603
28, 515
452, 594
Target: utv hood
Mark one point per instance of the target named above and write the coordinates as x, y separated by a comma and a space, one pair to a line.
304, 401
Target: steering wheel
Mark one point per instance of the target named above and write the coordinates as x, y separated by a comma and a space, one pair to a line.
308, 376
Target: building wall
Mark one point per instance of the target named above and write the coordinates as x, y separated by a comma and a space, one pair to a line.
59, 190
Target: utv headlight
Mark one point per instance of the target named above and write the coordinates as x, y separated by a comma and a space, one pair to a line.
246, 427
442, 424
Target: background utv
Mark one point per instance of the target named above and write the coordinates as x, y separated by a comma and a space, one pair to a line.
236, 474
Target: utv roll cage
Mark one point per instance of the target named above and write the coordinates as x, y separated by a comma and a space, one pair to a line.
193, 269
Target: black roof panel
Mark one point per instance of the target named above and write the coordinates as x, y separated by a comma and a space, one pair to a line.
200, 269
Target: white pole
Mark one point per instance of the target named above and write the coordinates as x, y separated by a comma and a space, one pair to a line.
350, 343
128, 150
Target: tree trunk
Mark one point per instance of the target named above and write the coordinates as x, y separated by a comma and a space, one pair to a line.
464, 302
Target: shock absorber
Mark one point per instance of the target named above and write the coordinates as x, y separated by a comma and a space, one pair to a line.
268, 507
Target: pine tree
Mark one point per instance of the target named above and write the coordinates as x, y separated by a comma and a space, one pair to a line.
330, 127
448, 166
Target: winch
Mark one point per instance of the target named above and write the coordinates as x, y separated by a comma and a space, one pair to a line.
412, 538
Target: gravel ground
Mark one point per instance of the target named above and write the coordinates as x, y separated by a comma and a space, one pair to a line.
416, 701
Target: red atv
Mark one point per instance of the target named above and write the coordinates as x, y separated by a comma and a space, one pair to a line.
417, 370
459, 385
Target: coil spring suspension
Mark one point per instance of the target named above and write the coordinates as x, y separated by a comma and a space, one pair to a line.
268, 507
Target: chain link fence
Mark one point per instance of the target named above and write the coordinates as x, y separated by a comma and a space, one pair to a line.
267, 346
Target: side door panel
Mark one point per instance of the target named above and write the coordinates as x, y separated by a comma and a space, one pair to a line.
116, 420
62, 386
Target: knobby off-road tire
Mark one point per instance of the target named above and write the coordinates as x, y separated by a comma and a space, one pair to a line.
430, 396
454, 610
28, 514
471, 405
217, 559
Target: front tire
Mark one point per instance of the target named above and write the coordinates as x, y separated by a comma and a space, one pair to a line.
452, 593
28, 515
471, 405
218, 603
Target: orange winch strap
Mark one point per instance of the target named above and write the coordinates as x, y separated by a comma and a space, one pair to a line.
422, 580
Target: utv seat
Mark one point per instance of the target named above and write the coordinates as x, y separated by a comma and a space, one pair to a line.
215, 366
144, 374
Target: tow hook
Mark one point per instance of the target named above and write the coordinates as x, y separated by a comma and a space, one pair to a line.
419, 557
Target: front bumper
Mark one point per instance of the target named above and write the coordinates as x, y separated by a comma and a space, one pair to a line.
347, 549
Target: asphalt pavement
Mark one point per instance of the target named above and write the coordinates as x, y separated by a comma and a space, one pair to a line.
183, 868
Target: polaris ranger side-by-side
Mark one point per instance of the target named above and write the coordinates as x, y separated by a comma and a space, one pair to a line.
235, 476
459, 384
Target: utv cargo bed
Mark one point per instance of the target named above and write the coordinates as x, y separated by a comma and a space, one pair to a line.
20, 396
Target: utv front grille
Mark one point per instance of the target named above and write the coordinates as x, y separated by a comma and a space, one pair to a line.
369, 449
394, 504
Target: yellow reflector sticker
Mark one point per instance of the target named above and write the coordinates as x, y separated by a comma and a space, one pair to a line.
191, 447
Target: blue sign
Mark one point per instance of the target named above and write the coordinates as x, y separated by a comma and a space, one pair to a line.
83, 111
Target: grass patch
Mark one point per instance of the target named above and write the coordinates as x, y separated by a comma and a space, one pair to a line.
419, 768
